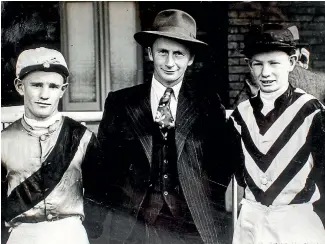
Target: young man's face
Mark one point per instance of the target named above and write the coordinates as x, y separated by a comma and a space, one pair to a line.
170, 59
42, 92
271, 69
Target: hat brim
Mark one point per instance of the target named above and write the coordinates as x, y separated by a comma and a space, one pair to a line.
146, 38
57, 68
302, 44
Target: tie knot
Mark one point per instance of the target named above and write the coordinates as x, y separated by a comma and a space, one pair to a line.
167, 94
169, 90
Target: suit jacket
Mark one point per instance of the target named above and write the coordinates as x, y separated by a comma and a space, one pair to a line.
125, 134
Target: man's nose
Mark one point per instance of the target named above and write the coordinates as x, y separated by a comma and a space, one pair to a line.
170, 62
45, 93
266, 71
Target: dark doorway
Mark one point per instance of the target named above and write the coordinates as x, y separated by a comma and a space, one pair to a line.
25, 25
212, 25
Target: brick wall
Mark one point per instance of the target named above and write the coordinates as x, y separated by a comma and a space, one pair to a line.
309, 17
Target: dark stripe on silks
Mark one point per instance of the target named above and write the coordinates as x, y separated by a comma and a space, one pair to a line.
257, 192
250, 146
265, 122
295, 165
305, 194
292, 169
41, 183
264, 161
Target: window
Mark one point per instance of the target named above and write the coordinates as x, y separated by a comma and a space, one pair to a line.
97, 41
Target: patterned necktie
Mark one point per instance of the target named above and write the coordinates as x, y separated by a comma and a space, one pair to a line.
164, 116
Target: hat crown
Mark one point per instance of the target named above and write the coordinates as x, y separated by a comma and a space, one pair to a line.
173, 20
175, 24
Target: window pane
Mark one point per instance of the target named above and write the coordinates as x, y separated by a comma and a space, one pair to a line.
81, 52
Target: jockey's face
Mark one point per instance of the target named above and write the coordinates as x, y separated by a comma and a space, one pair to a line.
42, 92
271, 69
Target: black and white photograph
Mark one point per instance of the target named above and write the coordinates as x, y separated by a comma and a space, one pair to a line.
162, 122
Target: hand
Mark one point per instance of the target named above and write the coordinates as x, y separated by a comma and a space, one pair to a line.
303, 58
252, 88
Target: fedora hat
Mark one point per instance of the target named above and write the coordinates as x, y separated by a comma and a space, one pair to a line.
174, 24
269, 37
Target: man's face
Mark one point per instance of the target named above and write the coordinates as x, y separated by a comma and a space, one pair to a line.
170, 59
42, 92
271, 69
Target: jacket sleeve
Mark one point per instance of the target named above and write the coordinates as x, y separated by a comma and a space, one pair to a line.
218, 153
110, 141
318, 152
92, 170
236, 157
93, 182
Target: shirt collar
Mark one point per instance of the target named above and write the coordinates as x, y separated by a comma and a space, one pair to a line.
160, 88
38, 128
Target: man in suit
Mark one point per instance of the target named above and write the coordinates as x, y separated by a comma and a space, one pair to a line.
163, 146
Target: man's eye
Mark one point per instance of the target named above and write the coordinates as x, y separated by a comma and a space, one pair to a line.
273, 63
179, 54
37, 84
53, 86
257, 64
162, 52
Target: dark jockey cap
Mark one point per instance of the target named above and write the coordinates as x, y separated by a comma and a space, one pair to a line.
270, 37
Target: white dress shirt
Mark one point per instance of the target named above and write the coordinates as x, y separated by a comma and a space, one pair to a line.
156, 93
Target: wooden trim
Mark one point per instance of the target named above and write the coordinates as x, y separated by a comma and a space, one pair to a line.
97, 53
139, 47
64, 45
104, 51
11, 114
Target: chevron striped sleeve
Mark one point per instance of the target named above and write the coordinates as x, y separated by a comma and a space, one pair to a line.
283, 150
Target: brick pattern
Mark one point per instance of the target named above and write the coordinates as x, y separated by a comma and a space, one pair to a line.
309, 17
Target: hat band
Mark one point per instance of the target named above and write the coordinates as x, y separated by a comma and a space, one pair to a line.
58, 68
176, 30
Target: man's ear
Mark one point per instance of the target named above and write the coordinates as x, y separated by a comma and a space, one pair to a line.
293, 60
19, 86
190, 62
63, 89
249, 62
150, 54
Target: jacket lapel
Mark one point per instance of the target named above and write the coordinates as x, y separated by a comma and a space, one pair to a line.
187, 113
141, 120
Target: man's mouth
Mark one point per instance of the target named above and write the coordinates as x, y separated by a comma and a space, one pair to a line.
169, 71
43, 104
267, 82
